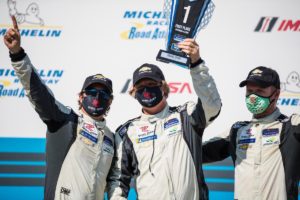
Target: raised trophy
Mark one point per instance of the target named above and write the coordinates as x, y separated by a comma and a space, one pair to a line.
185, 19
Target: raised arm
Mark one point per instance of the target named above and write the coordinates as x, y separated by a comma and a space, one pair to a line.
50, 111
209, 102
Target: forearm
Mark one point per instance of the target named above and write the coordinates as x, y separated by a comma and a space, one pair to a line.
38, 93
216, 149
206, 91
118, 180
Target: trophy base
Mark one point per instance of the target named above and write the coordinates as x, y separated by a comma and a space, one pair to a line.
167, 57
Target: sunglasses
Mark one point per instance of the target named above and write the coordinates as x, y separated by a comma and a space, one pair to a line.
94, 92
151, 84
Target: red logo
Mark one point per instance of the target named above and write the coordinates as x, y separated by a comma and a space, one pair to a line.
175, 87
144, 128
253, 99
147, 95
95, 103
89, 127
180, 87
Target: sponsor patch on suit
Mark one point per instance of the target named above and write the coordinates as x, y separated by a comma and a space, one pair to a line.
107, 145
247, 141
89, 136
270, 132
146, 139
170, 123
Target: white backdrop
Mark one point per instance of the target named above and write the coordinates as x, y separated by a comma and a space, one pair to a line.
69, 40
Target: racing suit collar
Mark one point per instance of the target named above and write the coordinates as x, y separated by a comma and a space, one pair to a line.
86, 118
270, 118
153, 118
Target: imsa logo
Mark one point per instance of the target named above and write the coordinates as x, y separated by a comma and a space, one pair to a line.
175, 87
269, 24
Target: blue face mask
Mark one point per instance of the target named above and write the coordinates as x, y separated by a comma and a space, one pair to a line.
149, 96
96, 102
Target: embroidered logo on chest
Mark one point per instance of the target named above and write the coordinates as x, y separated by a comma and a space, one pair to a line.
90, 132
107, 145
172, 126
270, 136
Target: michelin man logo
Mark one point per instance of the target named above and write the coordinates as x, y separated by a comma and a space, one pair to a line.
292, 83
31, 16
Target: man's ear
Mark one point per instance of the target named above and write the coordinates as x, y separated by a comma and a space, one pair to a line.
277, 93
80, 97
110, 101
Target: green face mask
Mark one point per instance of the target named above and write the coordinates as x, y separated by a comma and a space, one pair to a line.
257, 104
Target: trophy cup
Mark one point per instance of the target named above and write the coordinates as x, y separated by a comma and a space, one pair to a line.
185, 19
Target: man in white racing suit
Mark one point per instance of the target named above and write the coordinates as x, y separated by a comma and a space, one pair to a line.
161, 149
266, 149
79, 148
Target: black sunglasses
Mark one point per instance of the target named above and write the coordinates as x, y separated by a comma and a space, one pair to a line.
94, 92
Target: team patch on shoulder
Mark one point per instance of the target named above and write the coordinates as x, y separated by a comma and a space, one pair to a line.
123, 131
108, 145
108, 141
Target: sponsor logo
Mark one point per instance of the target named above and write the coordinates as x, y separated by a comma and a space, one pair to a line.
144, 131
31, 21
108, 141
244, 146
247, 141
89, 136
145, 69
269, 24
65, 191
290, 90
270, 132
170, 123
175, 87
144, 25
144, 128
90, 127
10, 84
256, 72
270, 140
107, 146
247, 134
145, 139
123, 131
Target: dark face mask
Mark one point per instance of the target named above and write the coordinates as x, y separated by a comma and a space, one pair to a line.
96, 102
149, 96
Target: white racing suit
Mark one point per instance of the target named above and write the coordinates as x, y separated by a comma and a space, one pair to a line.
162, 152
266, 155
79, 149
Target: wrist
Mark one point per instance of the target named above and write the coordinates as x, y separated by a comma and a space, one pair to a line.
198, 62
15, 50
17, 55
